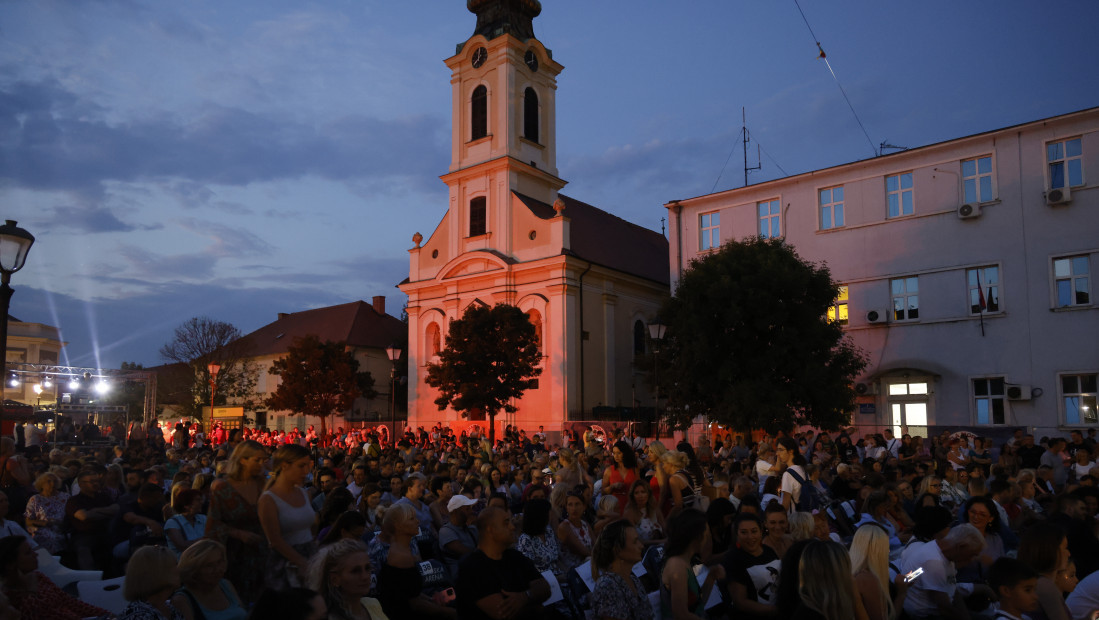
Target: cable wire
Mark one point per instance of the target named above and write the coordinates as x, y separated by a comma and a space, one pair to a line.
726, 165
824, 57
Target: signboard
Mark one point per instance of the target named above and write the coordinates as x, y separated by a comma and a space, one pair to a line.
227, 412
868, 408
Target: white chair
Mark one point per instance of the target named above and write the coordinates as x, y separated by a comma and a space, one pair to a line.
106, 594
62, 575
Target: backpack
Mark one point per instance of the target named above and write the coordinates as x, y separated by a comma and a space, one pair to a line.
810, 498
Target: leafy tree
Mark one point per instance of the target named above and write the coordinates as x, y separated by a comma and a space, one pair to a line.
749, 344
201, 341
490, 358
319, 379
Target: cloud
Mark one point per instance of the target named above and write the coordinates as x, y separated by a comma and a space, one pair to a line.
145, 265
51, 138
89, 219
227, 241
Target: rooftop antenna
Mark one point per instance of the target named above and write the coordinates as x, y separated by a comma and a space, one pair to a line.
744, 132
885, 145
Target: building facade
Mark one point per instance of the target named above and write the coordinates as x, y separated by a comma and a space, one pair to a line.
965, 270
32, 343
587, 279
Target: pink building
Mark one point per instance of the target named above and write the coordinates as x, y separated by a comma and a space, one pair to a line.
588, 280
966, 269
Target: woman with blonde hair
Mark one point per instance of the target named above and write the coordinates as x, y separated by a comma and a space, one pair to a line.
681, 489
824, 591
801, 525
870, 569
45, 513
642, 512
288, 518
396, 558
341, 573
233, 518
151, 577
205, 589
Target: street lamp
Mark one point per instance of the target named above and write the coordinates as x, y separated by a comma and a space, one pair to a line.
15, 243
656, 333
393, 351
214, 369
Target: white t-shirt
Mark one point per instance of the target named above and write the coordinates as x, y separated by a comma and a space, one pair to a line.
792, 487
939, 575
762, 467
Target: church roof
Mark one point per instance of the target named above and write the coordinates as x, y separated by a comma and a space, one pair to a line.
356, 324
608, 240
498, 17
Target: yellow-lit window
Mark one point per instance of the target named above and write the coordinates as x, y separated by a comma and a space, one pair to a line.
838, 310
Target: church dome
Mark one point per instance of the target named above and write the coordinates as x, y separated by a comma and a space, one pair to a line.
499, 17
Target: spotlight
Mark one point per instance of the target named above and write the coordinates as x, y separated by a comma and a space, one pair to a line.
37, 388
102, 387
74, 384
14, 381
46, 383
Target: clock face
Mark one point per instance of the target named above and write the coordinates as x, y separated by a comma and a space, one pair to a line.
480, 55
531, 60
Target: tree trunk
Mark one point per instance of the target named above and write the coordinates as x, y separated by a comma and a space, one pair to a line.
492, 430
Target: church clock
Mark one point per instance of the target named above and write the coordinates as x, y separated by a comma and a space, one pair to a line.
480, 55
532, 60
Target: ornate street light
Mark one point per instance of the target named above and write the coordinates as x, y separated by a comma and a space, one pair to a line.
656, 332
214, 369
393, 351
15, 243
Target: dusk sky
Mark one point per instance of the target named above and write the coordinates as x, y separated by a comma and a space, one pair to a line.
240, 159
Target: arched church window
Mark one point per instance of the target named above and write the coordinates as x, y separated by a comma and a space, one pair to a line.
638, 338
478, 216
535, 319
530, 115
479, 113
433, 339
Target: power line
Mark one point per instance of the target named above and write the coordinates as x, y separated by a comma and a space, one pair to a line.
824, 57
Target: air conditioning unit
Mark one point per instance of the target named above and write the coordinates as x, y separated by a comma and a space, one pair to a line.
1018, 392
969, 212
1059, 196
877, 316
866, 389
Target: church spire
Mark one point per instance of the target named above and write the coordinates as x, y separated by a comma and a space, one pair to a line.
499, 17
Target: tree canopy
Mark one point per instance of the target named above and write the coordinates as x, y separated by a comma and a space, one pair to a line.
749, 343
196, 344
319, 379
491, 357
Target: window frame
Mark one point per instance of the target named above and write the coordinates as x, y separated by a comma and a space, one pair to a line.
478, 113
841, 306
531, 120
907, 296
477, 203
831, 206
1065, 160
899, 193
976, 178
971, 290
1061, 395
771, 218
990, 396
714, 230
1072, 278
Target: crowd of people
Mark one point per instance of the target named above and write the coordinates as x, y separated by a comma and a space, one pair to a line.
243, 523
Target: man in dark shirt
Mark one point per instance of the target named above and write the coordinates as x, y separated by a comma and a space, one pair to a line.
140, 522
496, 581
1030, 455
88, 516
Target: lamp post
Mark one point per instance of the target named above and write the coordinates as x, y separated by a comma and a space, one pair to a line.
214, 369
656, 333
393, 351
15, 243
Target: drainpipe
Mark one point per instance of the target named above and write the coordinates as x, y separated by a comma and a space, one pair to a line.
677, 208
585, 272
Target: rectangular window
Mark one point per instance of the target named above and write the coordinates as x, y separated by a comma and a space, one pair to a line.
898, 194
1078, 392
984, 289
831, 208
1066, 166
478, 216
838, 310
1070, 276
906, 298
769, 219
709, 227
977, 180
988, 398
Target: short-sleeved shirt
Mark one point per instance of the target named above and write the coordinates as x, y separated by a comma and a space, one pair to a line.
81, 501
449, 533
480, 576
189, 531
793, 487
758, 574
938, 575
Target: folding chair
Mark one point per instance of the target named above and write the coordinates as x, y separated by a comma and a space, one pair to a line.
106, 594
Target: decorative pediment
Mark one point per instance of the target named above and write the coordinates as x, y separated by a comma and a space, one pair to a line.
472, 263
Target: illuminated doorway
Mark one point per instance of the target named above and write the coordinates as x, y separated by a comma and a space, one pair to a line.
908, 405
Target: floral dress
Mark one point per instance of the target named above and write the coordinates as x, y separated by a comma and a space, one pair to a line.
544, 553
140, 610
613, 598
52, 509
229, 509
570, 560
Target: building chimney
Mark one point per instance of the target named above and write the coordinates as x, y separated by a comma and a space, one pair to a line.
283, 315
378, 301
